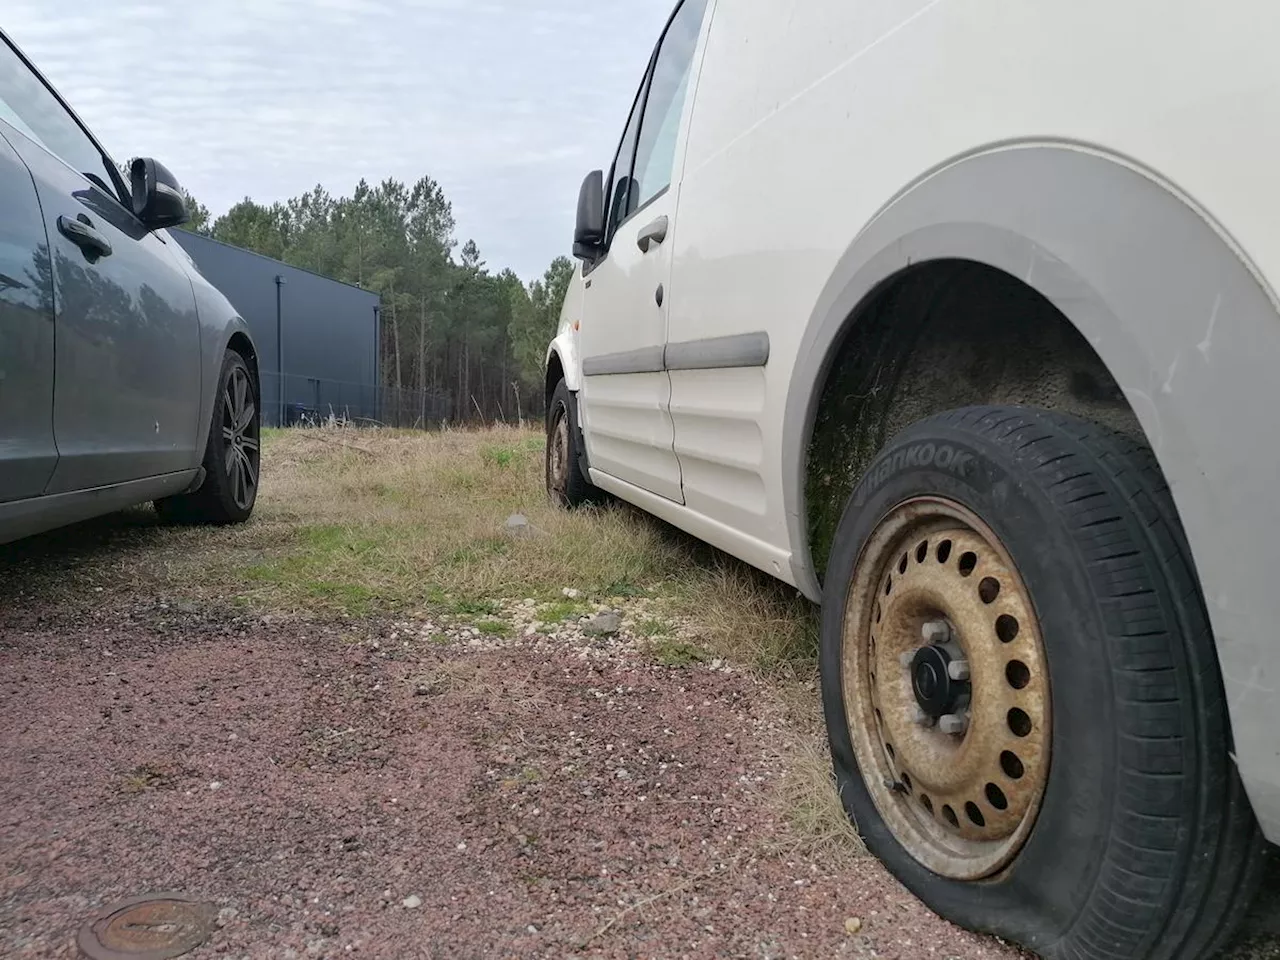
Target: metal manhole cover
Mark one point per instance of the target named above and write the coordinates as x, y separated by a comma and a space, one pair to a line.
155, 927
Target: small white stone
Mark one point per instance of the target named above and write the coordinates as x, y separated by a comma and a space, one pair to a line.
411, 903
215, 785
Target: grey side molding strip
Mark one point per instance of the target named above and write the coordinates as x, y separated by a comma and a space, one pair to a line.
644, 360
713, 353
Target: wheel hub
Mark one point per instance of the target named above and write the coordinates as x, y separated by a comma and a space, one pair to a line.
946, 688
936, 693
558, 455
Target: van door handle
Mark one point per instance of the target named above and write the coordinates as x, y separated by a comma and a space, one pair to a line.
652, 235
81, 232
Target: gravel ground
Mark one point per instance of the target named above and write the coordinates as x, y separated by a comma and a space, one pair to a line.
405, 791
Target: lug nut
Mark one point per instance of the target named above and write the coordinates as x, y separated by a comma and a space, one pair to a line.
935, 631
907, 658
958, 669
953, 723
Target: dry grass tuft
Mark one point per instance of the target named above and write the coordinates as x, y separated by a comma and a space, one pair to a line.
153, 776
810, 804
676, 653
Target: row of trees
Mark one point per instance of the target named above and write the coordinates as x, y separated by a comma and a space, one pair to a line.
453, 331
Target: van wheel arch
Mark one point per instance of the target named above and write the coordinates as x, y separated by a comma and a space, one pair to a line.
937, 336
1165, 304
554, 374
1015, 211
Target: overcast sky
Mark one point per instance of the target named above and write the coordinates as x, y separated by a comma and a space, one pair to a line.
507, 103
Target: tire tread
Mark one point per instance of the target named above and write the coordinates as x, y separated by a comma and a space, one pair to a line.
1207, 893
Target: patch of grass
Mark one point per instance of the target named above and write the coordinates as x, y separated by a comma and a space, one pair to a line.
494, 628
750, 618
415, 520
677, 653
557, 611
461, 480
503, 457
450, 676
318, 564
152, 776
807, 798
654, 627
478, 551
474, 608
351, 597
622, 588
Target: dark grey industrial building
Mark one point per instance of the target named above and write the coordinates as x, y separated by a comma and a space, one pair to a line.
326, 332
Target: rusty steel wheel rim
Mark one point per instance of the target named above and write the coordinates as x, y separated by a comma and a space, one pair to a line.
558, 454
946, 688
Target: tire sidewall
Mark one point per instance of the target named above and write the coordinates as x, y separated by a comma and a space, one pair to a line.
578, 490
559, 410
1039, 895
215, 457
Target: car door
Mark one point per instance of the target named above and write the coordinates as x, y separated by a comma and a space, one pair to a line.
28, 453
127, 352
626, 392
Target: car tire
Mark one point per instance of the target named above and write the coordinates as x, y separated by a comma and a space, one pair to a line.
232, 459
567, 484
1103, 819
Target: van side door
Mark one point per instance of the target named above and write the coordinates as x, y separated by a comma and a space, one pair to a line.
625, 388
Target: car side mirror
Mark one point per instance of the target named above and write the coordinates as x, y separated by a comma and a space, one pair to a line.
588, 234
157, 197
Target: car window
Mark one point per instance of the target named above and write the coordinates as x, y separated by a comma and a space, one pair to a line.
656, 147
620, 194
32, 109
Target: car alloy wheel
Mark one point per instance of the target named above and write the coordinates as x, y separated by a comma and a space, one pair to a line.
240, 437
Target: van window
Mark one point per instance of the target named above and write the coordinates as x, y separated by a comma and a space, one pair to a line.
656, 149
621, 196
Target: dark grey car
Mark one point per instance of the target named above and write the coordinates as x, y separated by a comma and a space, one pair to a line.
124, 375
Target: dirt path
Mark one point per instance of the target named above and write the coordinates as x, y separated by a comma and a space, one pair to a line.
339, 785
338, 792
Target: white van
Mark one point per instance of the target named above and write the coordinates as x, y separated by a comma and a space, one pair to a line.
960, 317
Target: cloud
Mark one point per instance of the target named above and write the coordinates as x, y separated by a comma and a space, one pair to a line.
507, 103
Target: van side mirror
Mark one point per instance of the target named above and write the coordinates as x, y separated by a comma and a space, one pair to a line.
588, 234
157, 197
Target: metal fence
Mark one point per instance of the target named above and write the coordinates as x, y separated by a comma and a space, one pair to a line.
316, 400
